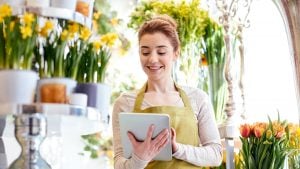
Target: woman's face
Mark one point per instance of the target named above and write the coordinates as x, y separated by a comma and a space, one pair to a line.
157, 55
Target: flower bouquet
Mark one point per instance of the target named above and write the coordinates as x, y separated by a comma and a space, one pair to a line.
265, 145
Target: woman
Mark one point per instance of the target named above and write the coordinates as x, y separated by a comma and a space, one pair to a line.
195, 138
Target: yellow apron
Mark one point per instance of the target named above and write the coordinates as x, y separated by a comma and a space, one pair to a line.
184, 122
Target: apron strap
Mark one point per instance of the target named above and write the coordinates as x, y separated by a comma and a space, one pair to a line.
141, 94
139, 98
184, 97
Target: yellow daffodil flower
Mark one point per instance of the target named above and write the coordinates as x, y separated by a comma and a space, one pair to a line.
48, 25
73, 28
64, 35
5, 10
109, 39
85, 33
26, 31
97, 45
97, 15
28, 18
46, 28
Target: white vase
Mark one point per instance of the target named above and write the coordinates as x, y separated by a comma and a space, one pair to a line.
67, 4
38, 3
69, 83
17, 86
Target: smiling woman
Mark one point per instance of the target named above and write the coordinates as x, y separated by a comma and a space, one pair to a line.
189, 109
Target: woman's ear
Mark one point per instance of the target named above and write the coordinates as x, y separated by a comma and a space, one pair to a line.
177, 54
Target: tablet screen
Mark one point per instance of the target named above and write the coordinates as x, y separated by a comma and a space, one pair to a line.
138, 124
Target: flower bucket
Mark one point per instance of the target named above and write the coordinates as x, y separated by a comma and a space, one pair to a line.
98, 97
17, 86
55, 90
67, 4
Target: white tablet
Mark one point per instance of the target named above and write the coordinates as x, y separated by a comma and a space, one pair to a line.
138, 124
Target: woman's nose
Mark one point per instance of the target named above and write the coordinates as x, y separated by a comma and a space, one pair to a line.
153, 58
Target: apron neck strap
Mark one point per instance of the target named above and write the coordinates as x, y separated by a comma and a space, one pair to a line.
141, 94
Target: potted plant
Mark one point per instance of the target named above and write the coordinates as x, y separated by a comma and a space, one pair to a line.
91, 75
94, 62
59, 53
18, 39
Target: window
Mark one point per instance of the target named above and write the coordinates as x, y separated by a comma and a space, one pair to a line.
269, 81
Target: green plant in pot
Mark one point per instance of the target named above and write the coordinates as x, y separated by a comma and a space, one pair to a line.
59, 53
92, 72
18, 38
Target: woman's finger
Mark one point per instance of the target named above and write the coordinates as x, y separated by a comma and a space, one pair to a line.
150, 133
132, 139
161, 138
173, 132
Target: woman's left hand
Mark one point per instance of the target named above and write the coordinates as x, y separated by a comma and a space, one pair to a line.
174, 143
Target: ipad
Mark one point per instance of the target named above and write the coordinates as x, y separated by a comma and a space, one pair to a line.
138, 124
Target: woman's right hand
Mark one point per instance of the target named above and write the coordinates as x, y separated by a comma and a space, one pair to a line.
149, 148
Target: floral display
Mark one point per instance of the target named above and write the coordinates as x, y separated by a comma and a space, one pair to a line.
18, 39
52, 58
95, 59
268, 145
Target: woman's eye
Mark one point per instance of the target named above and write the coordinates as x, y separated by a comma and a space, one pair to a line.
161, 53
145, 54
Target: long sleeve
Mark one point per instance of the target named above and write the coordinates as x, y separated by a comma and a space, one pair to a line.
134, 162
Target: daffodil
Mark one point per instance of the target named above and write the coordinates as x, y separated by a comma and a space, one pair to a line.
73, 28
46, 28
109, 39
97, 45
85, 33
5, 10
26, 31
28, 18
64, 35
97, 15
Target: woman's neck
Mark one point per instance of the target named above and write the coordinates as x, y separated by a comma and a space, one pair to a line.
161, 86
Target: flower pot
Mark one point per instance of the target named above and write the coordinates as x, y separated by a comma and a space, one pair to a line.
55, 90
17, 86
98, 97
38, 3
67, 4
13, 2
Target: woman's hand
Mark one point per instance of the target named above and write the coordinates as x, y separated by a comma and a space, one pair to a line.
174, 145
149, 148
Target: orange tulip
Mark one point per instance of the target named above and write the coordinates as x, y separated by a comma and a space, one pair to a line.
245, 130
258, 131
